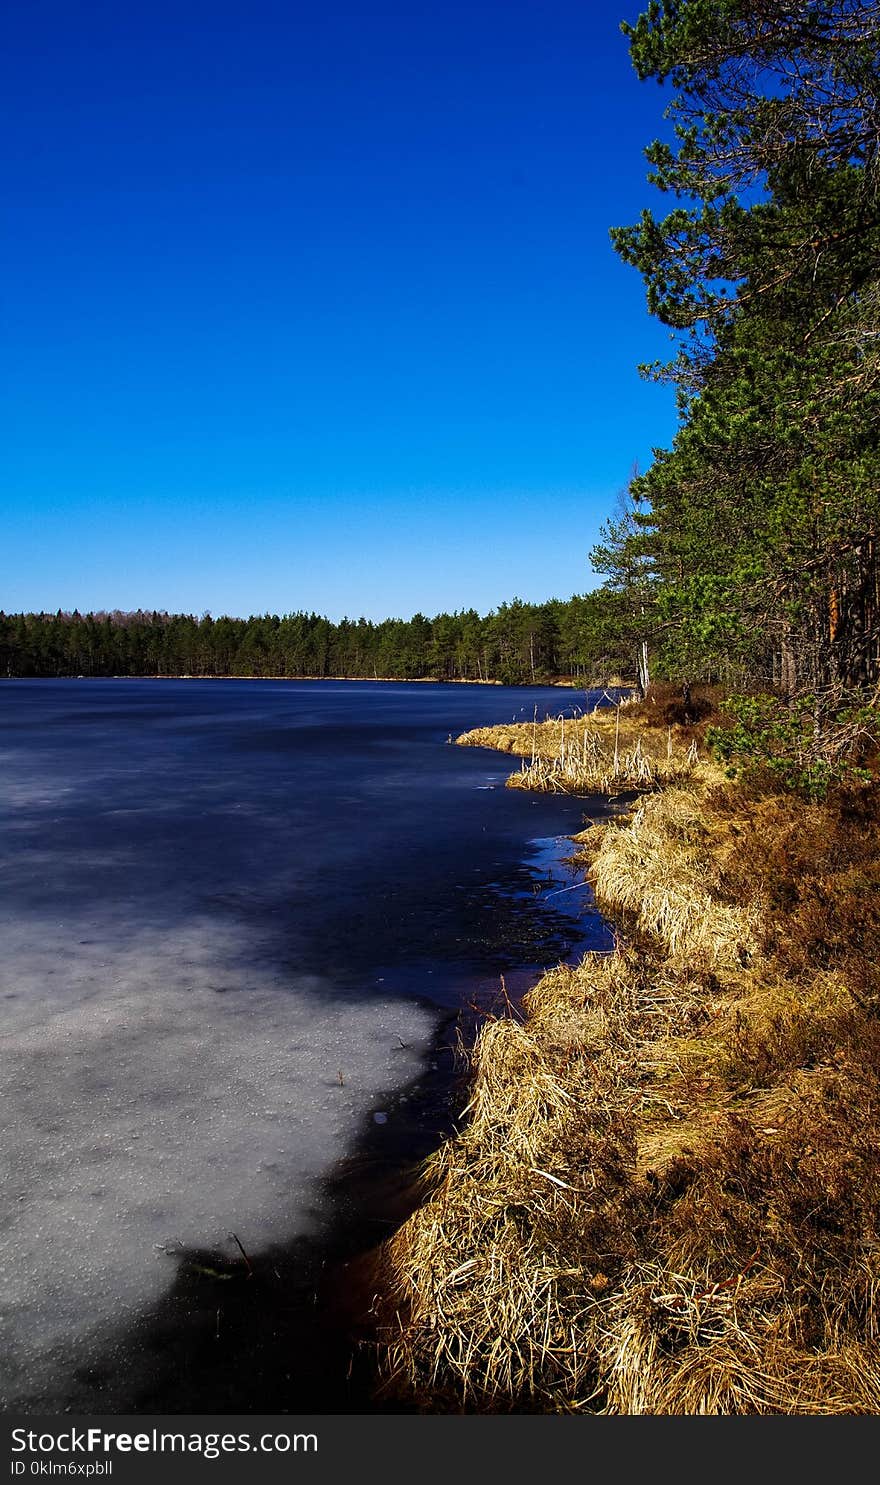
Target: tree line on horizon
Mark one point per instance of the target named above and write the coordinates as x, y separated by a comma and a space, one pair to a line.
517, 643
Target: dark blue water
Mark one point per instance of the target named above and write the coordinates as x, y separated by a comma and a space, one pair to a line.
234, 914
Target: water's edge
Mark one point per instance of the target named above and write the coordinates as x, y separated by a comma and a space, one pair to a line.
346, 886
282, 1330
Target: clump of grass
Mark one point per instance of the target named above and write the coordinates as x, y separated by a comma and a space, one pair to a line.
490, 1290
666, 1194
608, 750
655, 868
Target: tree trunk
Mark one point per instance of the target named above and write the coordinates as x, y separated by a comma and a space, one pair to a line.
643, 669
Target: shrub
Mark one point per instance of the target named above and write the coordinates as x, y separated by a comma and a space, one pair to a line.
804, 745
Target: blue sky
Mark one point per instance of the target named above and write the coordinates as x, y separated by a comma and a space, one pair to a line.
314, 305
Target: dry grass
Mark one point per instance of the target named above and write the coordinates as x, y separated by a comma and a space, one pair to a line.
657, 868
665, 1197
634, 745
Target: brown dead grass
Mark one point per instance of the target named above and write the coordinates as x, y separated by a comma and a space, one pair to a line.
642, 744
665, 1197
657, 869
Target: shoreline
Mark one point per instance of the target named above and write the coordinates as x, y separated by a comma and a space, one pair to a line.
322, 1290
560, 682
666, 1198
289, 1328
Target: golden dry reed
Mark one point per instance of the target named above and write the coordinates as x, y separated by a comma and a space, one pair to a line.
604, 751
665, 1193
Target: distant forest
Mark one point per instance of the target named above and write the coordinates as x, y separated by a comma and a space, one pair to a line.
516, 644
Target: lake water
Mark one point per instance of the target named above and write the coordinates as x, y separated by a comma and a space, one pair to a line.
235, 918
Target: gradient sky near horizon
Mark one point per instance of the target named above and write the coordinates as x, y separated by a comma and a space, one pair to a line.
313, 306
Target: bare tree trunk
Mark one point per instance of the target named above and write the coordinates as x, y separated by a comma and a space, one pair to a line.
643, 669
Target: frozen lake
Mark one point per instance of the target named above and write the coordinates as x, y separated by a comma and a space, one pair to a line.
233, 916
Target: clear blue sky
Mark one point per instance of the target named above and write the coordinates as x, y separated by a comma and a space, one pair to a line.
313, 305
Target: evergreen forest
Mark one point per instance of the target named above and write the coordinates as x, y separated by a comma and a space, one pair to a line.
516, 644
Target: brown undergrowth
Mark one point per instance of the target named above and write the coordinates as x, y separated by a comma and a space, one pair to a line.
665, 1195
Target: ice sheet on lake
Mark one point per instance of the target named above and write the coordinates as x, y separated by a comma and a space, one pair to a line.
161, 1087
174, 859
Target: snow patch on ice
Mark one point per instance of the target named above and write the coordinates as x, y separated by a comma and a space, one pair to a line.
162, 1088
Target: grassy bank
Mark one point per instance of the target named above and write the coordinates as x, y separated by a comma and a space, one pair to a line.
665, 1195
636, 746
